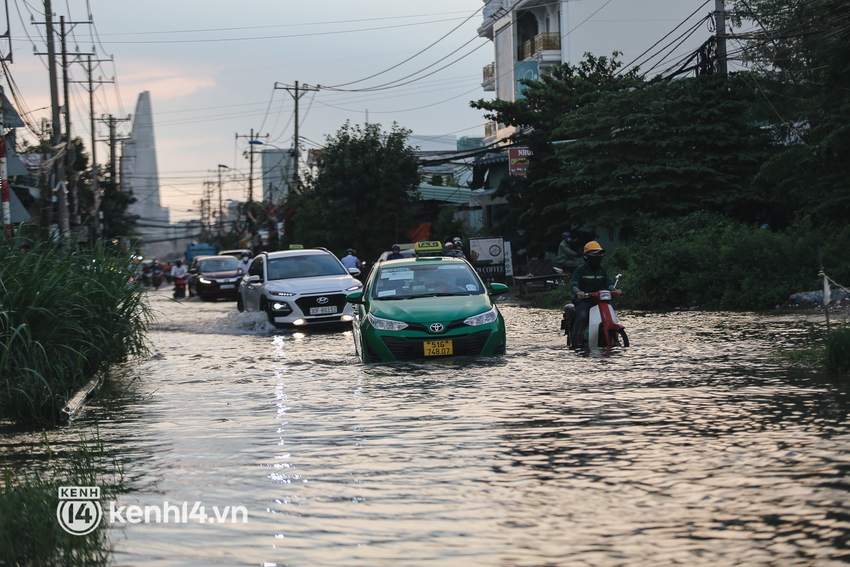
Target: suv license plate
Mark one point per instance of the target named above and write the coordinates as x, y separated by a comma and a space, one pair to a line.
228, 286
438, 348
322, 310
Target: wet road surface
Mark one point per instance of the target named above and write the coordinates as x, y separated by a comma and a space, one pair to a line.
695, 446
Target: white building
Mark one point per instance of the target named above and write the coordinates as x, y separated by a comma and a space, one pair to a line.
530, 36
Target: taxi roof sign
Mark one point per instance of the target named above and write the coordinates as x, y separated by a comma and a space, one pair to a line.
296, 247
428, 248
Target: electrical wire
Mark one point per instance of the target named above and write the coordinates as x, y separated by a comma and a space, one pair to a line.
417, 54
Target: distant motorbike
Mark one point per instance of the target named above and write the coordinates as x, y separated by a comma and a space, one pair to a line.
157, 277
603, 329
180, 287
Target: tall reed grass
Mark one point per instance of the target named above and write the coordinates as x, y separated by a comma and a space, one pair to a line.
64, 317
30, 534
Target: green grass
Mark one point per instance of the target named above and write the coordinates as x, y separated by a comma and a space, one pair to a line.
64, 317
30, 534
838, 349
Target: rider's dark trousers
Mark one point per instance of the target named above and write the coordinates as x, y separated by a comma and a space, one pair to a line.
580, 324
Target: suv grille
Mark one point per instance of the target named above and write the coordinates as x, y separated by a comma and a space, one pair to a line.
464, 345
305, 303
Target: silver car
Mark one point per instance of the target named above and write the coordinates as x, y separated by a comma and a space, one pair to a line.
299, 287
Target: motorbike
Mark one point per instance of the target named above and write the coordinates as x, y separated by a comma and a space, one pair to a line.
180, 287
603, 329
157, 277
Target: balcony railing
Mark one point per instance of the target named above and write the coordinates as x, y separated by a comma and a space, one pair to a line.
489, 72
550, 41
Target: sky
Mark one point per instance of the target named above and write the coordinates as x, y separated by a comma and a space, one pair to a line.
211, 67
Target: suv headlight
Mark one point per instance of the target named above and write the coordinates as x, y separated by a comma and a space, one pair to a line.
204, 280
282, 293
386, 324
483, 319
354, 287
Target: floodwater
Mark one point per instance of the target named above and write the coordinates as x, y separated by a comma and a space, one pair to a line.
694, 446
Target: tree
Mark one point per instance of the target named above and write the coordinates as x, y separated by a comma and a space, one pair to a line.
665, 150
800, 54
362, 194
566, 89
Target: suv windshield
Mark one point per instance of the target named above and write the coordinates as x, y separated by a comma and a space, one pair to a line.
219, 265
304, 266
426, 280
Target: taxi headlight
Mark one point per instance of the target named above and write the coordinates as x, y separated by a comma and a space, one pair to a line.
386, 324
482, 319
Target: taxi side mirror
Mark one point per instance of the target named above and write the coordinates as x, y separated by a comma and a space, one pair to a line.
498, 289
356, 297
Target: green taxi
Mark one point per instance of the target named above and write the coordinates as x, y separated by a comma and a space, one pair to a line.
425, 308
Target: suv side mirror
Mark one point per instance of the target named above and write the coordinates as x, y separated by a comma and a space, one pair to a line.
354, 272
254, 279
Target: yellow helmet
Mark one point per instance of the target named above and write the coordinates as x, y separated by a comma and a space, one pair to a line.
593, 248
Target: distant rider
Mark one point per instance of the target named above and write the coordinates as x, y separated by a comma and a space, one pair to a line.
244, 263
458, 248
179, 271
588, 277
568, 258
350, 260
449, 249
396, 253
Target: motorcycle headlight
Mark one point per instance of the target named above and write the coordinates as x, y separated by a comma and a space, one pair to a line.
386, 324
204, 281
482, 319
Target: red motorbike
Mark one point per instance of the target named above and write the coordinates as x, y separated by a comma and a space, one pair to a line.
603, 329
180, 287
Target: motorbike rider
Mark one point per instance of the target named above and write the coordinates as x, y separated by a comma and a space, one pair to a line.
396, 253
179, 271
458, 247
588, 277
568, 259
350, 260
244, 263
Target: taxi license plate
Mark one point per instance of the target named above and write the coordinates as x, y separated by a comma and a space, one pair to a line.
323, 310
228, 286
438, 348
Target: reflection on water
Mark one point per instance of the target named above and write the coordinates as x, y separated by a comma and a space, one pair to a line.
695, 446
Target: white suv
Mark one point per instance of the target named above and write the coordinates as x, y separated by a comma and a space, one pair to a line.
299, 287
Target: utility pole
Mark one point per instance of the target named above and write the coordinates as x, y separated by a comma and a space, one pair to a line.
95, 182
111, 123
220, 206
296, 93
58, 181
720, 35
4, 182
252, 141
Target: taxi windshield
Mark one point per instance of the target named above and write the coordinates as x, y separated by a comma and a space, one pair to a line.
425, 280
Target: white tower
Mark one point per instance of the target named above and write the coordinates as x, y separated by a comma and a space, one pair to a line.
139, 171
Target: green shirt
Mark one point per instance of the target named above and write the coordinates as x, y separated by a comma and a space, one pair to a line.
567, 257
588, 280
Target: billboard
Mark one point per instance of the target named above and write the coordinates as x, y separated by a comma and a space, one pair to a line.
518, 161
487, 256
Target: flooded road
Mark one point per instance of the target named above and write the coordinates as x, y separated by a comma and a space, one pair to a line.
695, 446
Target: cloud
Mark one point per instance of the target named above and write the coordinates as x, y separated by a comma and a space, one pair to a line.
163, 80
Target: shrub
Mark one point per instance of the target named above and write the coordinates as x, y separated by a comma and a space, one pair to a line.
64, 317
705, 259
838, 349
